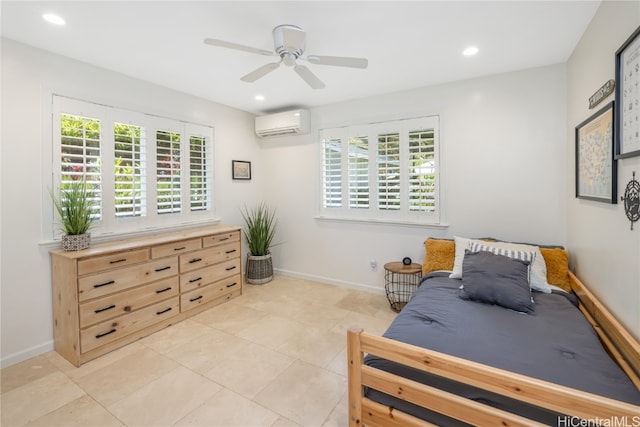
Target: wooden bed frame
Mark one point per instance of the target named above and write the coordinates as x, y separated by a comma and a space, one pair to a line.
597, 409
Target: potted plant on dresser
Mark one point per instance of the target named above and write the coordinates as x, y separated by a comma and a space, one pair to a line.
260, 228
75, 209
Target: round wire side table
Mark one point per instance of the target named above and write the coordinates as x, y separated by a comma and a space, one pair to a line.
400, 282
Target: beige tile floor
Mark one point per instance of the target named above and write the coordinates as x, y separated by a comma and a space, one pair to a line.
276, 356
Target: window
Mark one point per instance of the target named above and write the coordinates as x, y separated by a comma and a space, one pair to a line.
381, 172
144, 171
80, 150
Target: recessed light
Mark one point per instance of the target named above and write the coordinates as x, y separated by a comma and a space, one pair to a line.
53, 19
259, 98
470, 51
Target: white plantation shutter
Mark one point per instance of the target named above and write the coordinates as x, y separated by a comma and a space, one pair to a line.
331, 173
129, 170
168, 172
394, 179
198, 173
80, 151
142, 168
358, 167
389, 182
422, 183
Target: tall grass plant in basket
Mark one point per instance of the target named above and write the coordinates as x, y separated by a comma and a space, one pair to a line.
259, 231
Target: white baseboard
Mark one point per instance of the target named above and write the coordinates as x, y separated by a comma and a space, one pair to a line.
330, 281
28, 353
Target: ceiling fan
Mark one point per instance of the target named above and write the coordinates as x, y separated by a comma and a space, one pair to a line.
289, 42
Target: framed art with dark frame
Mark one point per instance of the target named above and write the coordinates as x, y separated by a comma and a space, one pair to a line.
240, 169
628, 97
596, 171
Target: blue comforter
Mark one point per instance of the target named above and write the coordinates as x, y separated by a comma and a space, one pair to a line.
555, 344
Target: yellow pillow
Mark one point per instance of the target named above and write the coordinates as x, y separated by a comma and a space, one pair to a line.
557, 261
440, 255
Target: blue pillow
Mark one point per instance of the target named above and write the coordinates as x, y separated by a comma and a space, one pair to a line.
497, 279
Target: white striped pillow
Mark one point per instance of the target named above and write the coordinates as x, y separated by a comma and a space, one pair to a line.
530, 257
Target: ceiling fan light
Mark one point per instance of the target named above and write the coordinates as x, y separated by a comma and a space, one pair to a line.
289, 59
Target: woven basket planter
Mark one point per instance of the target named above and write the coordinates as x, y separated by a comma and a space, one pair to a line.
76, 242
259, 269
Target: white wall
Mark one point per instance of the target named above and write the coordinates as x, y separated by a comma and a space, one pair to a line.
28, 75
606, 253
504, 156
504, 174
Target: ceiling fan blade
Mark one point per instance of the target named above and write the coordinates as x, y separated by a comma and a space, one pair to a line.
340, 61
229, 45
260, 72
308, 77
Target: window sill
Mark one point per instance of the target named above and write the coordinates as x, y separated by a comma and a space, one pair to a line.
439, 226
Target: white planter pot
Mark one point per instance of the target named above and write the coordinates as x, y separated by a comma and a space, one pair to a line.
76, 242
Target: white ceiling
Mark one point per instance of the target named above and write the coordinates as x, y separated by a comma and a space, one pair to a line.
408, 44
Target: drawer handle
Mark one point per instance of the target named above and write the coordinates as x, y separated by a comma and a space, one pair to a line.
195, 260
117, 261
230, 268
104, 334
222, 239
181, 248
195, 299
162, 269
195, 280
100, 310
163, 311
231, 251
163, 290
99, 285
231, 285
127, 308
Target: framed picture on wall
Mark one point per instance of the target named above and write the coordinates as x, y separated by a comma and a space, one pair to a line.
240, 169
596, 172
628, 97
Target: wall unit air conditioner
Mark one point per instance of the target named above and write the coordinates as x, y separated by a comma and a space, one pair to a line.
293, 122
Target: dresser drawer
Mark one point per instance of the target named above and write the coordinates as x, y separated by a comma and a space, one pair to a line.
106, 332
175, 248
99, 310
97, 285
216, 239
115, 260
217, 291
209, 256
204, 276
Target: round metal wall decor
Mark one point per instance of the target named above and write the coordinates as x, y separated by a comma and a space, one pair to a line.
631, 200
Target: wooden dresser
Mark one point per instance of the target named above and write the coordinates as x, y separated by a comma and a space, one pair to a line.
114, 293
